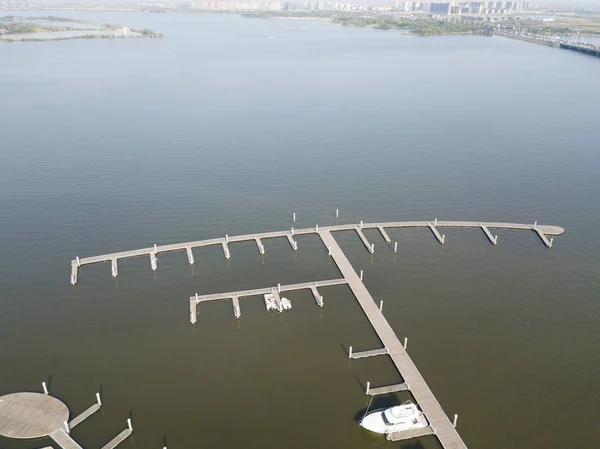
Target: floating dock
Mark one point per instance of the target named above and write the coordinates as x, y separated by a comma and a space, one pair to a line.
439, 424
36, 415
234, 296
152, 252
444, 430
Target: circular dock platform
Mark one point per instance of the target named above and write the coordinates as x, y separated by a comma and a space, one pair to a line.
31, 415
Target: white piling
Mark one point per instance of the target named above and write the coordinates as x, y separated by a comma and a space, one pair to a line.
495, 240
350, 353
551, 240
361, 274
226, 238
381, 306
98, 400
292, 230
296, 245
435, 222
372, 248
361, 224
294, 217
129, 424
45, 387
443, 238
405, 342
455, 420
329, 250
66, 424
155, 249
368, 387
196, 297
535, 225
395, 247
321, 301
337, 213
278, 287
78, 263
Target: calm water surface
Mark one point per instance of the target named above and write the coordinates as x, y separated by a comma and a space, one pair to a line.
228, 125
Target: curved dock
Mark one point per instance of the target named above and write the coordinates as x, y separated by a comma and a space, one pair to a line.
152, 252
35, 415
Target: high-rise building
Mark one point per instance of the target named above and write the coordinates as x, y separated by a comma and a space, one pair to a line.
441, 9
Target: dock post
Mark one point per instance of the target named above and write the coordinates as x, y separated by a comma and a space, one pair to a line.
45, 387
278, 287
350, 352
395, 247
292, 230
317, 228
368, 387
294, 217
443, 238
226, 239
337, 213
329, 250
129, 424
155, 249
535, 225
435, 222
455, 420
98, 400
66, 424
78, 262
361, 274
551, 240
405, 342
495, 240
295, 245
361, 224
372, 248
381, 306
153, 264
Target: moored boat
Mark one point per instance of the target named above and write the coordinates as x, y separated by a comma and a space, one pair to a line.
394, 419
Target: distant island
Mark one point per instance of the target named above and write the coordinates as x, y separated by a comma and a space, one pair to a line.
51, 28
427, 25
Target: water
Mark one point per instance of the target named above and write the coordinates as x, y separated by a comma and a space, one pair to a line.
228, 125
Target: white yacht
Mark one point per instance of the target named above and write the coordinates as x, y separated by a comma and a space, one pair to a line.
286, 304
394, 419
270, 303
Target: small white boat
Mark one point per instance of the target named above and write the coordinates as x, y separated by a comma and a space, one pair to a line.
286, 304
394, 419
270, 303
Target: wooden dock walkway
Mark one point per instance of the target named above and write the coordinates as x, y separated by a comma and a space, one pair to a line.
492, 238
197, 299
371, 353
541, 230
409, 434
118, 439
440, 238
84, 415
387, 389
317, 296
444, 430
30, 415
363, 238
64, 440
